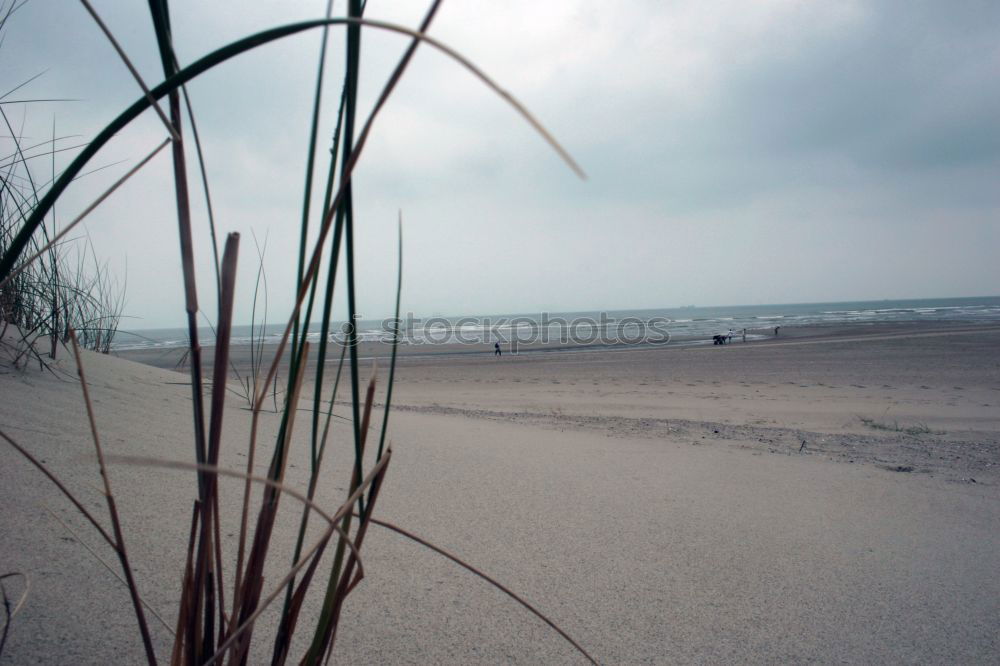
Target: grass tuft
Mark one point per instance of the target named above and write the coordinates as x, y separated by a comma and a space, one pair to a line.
43, 292
916, 429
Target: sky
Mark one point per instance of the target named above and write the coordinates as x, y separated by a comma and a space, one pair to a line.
736, 152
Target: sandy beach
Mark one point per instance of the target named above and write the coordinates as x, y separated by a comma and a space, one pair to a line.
832, 495
672, 333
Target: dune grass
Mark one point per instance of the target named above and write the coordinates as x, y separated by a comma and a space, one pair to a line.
916, 429
64, 287
219, 602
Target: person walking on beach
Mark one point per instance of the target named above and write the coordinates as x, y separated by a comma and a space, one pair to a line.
776, 331
496, 349
744, 336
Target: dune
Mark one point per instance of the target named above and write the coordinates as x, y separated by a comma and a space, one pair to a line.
661, 506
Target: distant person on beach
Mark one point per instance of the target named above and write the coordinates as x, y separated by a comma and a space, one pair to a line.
496, 349
776, 331
730, 336
744, 335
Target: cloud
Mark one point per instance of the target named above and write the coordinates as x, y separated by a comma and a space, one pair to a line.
736, 152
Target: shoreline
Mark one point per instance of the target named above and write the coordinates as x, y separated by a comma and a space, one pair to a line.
837, 388
171, 358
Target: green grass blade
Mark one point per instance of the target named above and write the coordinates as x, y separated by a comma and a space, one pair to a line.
395, 342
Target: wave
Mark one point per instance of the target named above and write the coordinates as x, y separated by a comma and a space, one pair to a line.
719, 321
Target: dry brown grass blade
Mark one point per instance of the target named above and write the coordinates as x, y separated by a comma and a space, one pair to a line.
347, 583
495, 583
106, 565
109, 497
244, 516
186, 592
208, 571
249, 621
223, 624
6, 603
294, 601
313, 266
291, 618
344, 585
348, 168
188, 272
24, 595
322, 638
343, 510
483, 77
247, 594
62, 488
331, 519
131, 68
258, 401
79, 218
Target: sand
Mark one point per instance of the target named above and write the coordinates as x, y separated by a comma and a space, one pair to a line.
663, 505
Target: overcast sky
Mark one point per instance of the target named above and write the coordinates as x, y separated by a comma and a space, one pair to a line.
737, 152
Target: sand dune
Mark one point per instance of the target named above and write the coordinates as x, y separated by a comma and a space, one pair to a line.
658, 504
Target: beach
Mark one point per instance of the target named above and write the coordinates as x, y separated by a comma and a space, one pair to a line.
827, 494
500, 332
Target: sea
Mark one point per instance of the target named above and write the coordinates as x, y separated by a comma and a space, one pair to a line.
690, 323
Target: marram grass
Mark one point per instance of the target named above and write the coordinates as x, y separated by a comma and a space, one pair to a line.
220, 601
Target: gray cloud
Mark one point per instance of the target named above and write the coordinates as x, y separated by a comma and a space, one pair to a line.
737, 152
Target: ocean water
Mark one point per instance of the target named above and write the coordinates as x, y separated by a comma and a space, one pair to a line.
684, 323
